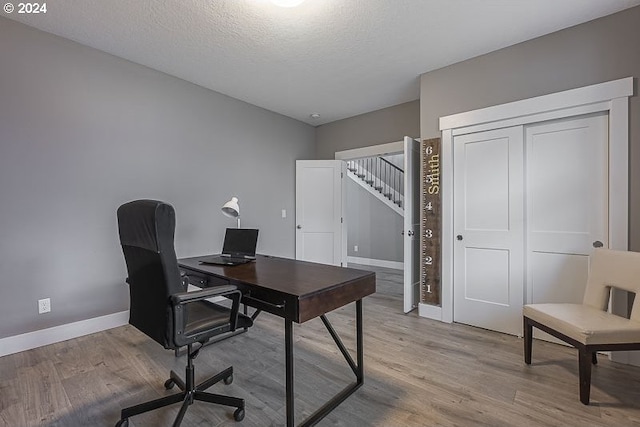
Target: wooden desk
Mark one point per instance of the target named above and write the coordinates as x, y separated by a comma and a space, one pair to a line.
296, 291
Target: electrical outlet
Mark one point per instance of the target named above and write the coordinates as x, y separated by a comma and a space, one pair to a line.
44, 305
355, 248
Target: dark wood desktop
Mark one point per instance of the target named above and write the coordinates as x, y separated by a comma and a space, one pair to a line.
297, 291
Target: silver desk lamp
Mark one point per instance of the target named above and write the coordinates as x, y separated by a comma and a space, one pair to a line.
232, 209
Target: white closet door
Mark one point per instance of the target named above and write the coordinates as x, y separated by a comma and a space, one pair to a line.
567, 204
488, 224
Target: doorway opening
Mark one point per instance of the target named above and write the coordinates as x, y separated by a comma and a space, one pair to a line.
381, 212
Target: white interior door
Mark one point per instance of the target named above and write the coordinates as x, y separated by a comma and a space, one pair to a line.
320, 235
567, 205
411, 223
488, 224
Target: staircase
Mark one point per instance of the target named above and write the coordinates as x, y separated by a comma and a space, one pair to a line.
381, 178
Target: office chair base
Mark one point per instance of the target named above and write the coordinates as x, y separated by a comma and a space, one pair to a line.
188, 396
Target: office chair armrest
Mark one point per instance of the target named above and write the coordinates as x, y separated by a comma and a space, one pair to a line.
229, 291
215, 291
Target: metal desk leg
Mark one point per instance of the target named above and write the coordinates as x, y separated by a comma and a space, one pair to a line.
359, 344
358, 369
288, 361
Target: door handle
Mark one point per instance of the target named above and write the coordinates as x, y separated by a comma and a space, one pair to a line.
459, 237
402, 232
410, 233
298, 226
597, 244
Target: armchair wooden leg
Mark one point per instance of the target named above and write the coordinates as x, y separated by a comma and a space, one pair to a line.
528, 340
585, 358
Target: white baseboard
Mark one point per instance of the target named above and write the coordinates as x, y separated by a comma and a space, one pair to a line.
397, 265
18, 343
430, 311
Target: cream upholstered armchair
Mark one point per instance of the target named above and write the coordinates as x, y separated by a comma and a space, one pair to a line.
588, 326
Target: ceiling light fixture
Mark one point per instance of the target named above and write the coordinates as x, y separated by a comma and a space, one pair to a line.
314, 115
287, 3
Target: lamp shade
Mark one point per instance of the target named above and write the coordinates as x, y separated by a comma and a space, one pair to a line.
231, 208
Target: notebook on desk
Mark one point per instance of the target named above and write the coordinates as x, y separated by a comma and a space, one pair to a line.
239, 247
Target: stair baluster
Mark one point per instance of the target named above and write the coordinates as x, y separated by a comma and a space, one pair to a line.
381, 175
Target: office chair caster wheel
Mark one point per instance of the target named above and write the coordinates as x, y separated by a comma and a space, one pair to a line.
238, 414
228, 380
168, 384
125, 422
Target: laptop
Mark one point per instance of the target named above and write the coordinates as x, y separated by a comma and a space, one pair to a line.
239, 247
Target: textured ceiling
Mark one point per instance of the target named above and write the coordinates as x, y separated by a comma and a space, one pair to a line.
338, 58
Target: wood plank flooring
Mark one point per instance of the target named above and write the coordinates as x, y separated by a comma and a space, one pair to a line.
418, 373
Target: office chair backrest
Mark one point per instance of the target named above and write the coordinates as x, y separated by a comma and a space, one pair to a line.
611, 268
146, 234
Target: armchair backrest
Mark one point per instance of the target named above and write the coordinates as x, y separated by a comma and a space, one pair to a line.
146, 230
611, 268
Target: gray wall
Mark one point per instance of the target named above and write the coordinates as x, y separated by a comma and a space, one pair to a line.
594, 52
373, 226
82, 132
378, 127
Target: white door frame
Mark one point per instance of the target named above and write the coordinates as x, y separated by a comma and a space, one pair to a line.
611, 97
373, 150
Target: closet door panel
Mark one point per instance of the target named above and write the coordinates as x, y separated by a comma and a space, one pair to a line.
488, 205
566, 185
558, 277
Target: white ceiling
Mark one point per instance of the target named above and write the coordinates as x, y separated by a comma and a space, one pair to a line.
338, 58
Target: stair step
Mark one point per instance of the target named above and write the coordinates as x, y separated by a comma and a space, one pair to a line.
378, 189
360, 175
368, 181
352, 169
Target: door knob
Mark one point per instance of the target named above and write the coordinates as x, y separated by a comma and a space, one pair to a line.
597, 244
298, 226
459, 237
409, 233
402, 232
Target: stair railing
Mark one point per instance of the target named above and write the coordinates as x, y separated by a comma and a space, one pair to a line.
380, 174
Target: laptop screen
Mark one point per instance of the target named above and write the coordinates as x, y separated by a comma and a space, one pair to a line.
240, 242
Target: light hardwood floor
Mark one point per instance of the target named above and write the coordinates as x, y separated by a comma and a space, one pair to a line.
418, 373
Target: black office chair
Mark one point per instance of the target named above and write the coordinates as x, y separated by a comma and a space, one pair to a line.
162, 309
